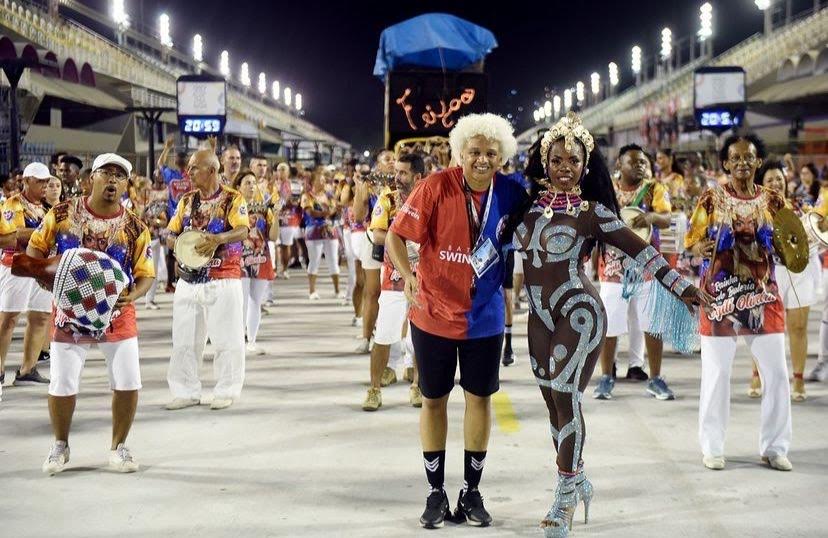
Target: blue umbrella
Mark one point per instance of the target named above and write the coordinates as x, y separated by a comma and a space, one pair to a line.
434, 40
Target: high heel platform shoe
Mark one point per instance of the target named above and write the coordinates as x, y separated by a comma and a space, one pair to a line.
584, 489
559, 519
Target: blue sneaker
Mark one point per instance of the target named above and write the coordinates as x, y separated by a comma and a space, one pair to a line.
604, 389
658, 388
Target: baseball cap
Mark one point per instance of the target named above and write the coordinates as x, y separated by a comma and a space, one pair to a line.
37, 171
111, 158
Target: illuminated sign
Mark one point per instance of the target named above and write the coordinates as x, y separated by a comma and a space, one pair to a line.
719, 97
202, 104
429, 103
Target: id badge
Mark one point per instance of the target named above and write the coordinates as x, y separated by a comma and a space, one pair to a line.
483, 257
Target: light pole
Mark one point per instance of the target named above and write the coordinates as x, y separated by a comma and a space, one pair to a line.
224, 64
706, 29
568, 99
262, 83
595, 86
288, 95
198, 49
613, 77
164, 30
244, 75
765, 6
636, 64
275, 92
121, 19
547, 109
556, 105
580, 93
297, 100
666, 47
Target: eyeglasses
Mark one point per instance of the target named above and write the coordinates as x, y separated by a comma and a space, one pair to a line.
107, 174
750, 160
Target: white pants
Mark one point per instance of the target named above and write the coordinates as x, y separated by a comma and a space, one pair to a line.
254, 294
717, 354
316, 247
620, 310
158, 263
392, 314
635, 341
350, 260
67, 362
22, 294
212, 309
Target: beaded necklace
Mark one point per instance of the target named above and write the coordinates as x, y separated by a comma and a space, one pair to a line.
552, 201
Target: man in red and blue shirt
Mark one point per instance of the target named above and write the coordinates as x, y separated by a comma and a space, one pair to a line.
457, 216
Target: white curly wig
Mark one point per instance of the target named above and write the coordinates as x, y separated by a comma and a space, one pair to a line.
492, 126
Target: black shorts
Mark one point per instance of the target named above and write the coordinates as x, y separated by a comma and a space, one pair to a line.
508, 276
437, 359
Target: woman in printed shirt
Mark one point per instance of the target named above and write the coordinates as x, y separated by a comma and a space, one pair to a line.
320, 234
257, 265
732, 229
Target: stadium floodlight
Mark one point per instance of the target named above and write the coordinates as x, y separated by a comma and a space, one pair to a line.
288, 94
762, 4
666, 44
567, 98
542, 113
547, 109
636, 59
595, 83
164, 30
556, 105
536, 115
275, 92
119, 14
613, 74
198, 48
297, 100
366, 153
224, 64
580, 92
244, 75
262, 83
706, 21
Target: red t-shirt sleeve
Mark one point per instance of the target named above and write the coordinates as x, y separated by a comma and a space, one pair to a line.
411, 221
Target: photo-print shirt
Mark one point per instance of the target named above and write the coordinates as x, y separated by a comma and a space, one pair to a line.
19, 212
650, 196
178, 184
221, 212
318, 228
435, 216
256, 261
123, 237
290, 194
381, 219
741, 276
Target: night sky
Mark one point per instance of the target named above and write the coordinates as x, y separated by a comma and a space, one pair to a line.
326, 50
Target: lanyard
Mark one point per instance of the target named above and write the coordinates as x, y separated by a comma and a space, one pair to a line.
476, 226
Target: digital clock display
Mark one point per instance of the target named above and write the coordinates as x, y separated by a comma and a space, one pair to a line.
209, 125
718, 118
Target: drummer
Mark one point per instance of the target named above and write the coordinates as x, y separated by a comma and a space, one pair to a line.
625, 291
798, 290
208, 300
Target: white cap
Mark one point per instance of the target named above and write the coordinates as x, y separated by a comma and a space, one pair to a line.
111, 158
37, 171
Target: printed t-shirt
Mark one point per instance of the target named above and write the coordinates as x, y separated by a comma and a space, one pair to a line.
435, 216
256, 261
178, 184
318, 228
384, 213
221, 212
123, 237
290, 192
19, 212
654, 198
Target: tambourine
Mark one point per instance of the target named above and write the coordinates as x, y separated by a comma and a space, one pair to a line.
811, 221
790, 240
185, 250
628, 215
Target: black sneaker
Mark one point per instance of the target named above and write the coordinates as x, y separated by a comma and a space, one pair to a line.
470, 509
437, 510
637, 373
32, 378
508, 357
44, 357
614, 371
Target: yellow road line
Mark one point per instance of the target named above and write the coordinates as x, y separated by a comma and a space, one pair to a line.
505, 413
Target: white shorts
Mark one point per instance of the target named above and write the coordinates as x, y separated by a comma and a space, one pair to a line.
393, 310
518, 268
799, 290
288, 234
618, 308
67, 362
21, 294
357, 238
364, 253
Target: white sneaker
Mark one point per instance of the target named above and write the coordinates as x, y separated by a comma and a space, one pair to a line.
716, 463
221, 403
314, 296
181, 403
819, 373
57, 459
285, 275
121, 460
253, 349
341, 296
780, 463
356, 322
153, 306
363, 347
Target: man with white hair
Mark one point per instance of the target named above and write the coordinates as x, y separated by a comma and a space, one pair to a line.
457, 315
